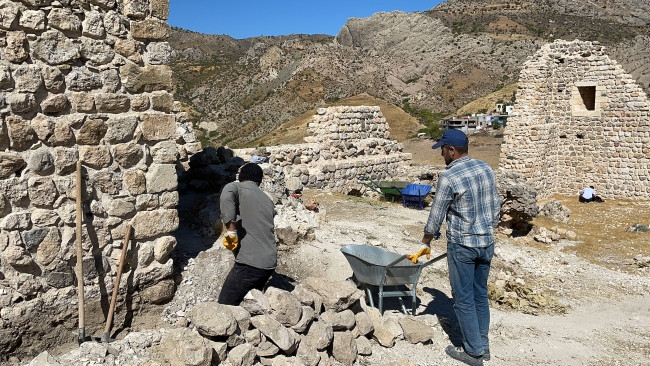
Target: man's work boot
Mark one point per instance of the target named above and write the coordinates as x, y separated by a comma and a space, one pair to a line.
458, 353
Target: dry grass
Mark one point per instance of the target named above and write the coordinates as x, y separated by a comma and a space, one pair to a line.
601, 230
402, 125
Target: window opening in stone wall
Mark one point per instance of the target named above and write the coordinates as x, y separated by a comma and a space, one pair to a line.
588, 95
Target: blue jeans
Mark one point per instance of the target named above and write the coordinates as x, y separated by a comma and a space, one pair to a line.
468, 274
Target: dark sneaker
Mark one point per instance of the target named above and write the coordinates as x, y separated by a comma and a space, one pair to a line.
486, 355
458, 353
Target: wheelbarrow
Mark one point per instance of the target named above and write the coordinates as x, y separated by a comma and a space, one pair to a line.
390, 190
413, 195
376, 267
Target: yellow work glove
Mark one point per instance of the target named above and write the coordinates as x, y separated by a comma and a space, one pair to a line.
424, 250
231, 241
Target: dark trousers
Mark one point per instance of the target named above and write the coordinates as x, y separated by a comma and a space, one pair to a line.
241, 279
592, 199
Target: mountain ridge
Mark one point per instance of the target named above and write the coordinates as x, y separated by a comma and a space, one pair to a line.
238, 91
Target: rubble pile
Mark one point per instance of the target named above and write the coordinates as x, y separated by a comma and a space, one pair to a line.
547, 236
556, 211
512, 293
318, 322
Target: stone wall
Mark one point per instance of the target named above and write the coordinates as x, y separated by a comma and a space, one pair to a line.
84, 80
579, 120
348, 144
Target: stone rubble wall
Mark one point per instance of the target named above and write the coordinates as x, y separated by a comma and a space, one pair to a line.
84, 80
349, 144
559, 145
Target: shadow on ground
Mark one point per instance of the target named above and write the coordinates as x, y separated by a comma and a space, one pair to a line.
443, 308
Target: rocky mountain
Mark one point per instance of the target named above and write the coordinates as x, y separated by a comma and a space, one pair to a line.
239, 90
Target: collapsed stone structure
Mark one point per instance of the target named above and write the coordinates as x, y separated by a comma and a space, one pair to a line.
84, 80
579, 120
348, 144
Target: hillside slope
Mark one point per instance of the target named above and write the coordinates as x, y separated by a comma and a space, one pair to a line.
442, 59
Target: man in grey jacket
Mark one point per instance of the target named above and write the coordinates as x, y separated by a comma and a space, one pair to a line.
247, 212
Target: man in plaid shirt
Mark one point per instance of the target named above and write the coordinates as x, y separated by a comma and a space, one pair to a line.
466, 195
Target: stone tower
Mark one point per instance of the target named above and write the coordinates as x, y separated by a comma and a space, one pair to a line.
83, 80
579, 120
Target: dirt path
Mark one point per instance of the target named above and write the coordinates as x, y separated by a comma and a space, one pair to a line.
608, 321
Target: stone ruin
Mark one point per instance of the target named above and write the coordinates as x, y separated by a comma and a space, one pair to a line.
579, 120
348, 144
84, 80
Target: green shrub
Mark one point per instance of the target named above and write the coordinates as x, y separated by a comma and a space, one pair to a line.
428, 118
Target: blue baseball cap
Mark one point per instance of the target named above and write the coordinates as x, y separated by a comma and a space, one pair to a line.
453, 138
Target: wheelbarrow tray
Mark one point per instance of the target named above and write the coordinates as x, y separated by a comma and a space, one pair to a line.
388, 187
373, 266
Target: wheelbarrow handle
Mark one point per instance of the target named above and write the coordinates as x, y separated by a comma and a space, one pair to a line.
431, 261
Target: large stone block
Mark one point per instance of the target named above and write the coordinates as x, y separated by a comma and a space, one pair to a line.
150, 224
152, 29
128, 154
96, 157
185, 347
63, 135
22, 102
121, 128
41, 162
10, 163
161, 178
114, 23
112, 103
129, 48
93, 24
55, 104
83, 79
16, 49
82, 102
21, 134
138, 79
8, 13
92, 132
160, 9
111, 82
27, 78
64, 20
135, 182
158, 53
96, 51
162, 101
135, 9
55, 48
156, 127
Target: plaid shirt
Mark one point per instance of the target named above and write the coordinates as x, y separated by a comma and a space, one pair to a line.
467, 196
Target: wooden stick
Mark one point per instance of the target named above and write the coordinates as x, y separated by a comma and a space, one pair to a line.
80, 278
116, 285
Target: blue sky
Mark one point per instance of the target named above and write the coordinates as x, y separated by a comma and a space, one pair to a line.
251, 18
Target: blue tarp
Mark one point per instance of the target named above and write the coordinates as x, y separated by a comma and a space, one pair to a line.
416, 189
414, 194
